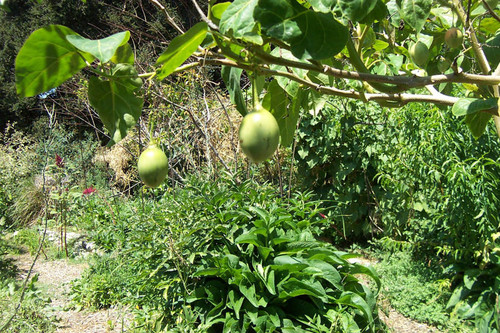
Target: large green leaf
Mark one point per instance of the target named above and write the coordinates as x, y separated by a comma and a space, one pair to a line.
276, 101
294, 288
291, 87
103, 49
238, 21
465, 106
327, 271
123, 55
180, 49
477, 123
394, 12
217, 10
46, 60
311, 35
117, 105
231, 77
128, 76
459, 294
356, 10
491, 50
360, 269
415, 12
352, 299
378, 13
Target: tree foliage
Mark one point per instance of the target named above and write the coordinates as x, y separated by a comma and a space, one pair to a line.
354, 49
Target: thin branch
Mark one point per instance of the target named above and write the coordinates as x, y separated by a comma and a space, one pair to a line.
211, 24
478, 51
399, 98
476, 47
170, 20
197, 124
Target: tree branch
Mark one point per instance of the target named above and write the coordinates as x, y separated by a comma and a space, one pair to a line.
170, 20
478, 51
398, 98
211, 24
404, 82
491, 11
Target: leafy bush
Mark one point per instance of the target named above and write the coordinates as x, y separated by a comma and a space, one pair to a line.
272, 274
477, 290
414, 175
104, 284
178, 246
336, 157
418, 178
440, 184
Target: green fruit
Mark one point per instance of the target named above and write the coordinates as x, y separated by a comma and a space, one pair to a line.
453, 38
419, 53
259, 135
152, 166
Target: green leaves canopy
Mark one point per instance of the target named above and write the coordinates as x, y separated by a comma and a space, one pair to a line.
310, 34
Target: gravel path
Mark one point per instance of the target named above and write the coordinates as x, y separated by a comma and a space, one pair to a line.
54, 278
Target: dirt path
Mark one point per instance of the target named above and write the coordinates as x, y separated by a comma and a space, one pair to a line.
398, 323
54, 278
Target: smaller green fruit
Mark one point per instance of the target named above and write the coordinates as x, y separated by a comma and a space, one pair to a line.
259, 135
152, 166
453, 38
419, 54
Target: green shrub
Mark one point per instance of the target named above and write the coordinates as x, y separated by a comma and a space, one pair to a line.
336, 156
271, 274
418, 178
169, 248
414, 175
104, 284
440, 184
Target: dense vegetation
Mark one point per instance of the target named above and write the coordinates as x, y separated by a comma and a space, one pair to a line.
225, 245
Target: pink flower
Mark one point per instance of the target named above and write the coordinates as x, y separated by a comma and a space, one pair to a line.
322, 215
59, 161
89, 190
